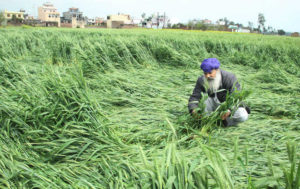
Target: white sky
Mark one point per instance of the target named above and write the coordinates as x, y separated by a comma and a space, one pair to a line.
280, 14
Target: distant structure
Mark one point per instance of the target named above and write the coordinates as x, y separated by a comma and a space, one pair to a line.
91, 22
206, 21
118, 21
233, 28
100, 21
49, 15
73, 18
156, 21
221, 23
244, 30
9, 15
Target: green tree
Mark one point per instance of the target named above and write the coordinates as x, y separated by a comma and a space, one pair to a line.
281, 32
144, 15
250, 26
226, 21
144, 21
201, 26
2, 19
261, 22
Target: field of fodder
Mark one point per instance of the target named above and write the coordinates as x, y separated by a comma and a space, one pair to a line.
84, 108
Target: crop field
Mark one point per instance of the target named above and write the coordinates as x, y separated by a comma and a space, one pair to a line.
88, 108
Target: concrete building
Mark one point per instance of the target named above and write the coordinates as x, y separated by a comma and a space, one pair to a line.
10, 14
73, 18
220, 23
49, 15
118, 21
233, 28
206, 21
91, 21
244, 30
100, 21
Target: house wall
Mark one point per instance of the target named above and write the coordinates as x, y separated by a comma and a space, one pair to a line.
243, 30
77, 23
115, 21
9, 14
66, 25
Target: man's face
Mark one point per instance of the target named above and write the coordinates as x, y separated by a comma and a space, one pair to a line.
210, 75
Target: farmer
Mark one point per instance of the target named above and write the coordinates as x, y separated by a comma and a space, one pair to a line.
219, 82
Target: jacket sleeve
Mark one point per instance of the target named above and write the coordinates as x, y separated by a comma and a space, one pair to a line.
234, 84
196, 96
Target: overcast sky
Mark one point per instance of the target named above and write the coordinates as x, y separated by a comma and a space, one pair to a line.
280, 14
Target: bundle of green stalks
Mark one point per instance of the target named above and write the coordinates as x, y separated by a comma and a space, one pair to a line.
83, 108
205, 121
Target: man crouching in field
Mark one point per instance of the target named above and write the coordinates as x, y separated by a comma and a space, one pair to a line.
219, 83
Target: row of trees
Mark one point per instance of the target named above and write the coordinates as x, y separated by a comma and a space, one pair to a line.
223, 25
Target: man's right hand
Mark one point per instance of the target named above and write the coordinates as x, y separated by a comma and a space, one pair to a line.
196, 115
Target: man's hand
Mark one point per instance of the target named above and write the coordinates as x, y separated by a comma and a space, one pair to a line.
225, 115
196, 115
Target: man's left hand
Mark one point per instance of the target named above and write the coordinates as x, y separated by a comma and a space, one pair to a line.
225, 115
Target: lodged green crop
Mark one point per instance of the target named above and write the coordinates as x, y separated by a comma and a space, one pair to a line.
85, 108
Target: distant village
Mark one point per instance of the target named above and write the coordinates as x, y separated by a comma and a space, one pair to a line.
48, 16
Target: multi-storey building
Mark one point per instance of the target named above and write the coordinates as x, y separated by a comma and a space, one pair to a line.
49, 15
73, 18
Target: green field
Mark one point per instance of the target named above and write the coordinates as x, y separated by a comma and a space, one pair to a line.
84, 108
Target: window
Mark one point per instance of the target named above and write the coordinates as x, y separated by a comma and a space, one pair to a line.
19, 15
8, 15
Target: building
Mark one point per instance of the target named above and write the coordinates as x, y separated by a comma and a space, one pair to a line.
206, 21
100, 21
156, 22
91, 21
220, 23
9, 15
233, 28
243, 30
118, 21
73, 18
73, 13
49, 15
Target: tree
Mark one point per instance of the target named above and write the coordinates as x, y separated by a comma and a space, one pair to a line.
144, 15
157, 20
226, 21
270, 29
144, 22
2, 18
231, 23
149, 20
250, 25
281, 32
261, 22
15, 20
179, 26
239, 25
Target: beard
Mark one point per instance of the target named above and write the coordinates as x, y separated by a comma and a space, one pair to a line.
214, 83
